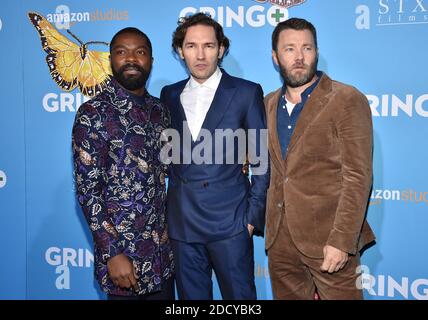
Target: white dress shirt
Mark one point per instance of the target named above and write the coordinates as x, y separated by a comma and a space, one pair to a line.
196, 99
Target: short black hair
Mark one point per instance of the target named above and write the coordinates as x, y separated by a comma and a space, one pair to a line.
200, 18
293, 24
131, 30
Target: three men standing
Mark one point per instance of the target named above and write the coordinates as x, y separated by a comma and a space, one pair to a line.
320, 143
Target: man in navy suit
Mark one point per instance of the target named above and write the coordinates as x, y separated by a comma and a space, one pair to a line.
213, 208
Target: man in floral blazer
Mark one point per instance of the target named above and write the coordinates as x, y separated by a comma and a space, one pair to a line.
120, 178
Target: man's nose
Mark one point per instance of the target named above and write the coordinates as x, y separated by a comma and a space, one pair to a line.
130, 57
299, 55
201, 53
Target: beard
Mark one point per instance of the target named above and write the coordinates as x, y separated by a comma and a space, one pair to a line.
300, 78
131, 82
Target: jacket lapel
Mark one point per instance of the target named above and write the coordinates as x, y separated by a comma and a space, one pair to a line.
177, 110
276, 154
311, 110
179, 123
221, 101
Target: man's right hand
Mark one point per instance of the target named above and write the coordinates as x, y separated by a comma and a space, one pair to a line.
122, 272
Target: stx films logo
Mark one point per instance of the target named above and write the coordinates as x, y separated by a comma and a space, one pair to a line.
391, 12
64, 258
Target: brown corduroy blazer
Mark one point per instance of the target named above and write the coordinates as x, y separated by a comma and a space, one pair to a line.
322, 186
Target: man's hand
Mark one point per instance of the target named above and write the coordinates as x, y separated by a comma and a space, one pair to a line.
334, 259
250, 229
122, 272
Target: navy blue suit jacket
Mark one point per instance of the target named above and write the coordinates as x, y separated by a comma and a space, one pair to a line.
210, 201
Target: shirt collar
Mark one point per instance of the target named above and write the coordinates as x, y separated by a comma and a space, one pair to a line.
211, 83
305, 94
123, 93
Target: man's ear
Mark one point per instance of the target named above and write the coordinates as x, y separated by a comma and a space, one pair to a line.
221, 52
180, 53
275, 57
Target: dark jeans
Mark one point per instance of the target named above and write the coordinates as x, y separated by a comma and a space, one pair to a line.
167, 293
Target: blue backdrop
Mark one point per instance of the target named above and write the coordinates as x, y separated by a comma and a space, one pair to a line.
379, 46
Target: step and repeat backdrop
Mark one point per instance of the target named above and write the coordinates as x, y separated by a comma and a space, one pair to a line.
379, 46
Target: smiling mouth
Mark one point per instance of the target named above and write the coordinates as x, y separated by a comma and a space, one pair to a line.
131, 71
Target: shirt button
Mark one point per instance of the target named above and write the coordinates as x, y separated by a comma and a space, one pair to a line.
279, 205
283, 107
289, 127
286, 180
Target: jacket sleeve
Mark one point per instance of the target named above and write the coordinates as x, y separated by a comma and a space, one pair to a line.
90, 152
354, 131
259, 162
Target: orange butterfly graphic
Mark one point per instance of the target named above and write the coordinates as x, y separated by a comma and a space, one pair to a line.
72, 64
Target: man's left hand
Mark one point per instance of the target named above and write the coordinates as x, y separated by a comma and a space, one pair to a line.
334, 259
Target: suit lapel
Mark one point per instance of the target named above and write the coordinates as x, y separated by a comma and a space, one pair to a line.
276, 154
221, 101
311, 110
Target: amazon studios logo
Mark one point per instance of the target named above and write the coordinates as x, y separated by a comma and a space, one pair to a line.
63, 259
64, 18
3, 179
407, 196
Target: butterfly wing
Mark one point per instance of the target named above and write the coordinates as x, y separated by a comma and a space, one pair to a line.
63, 57
71, 64
95, 73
